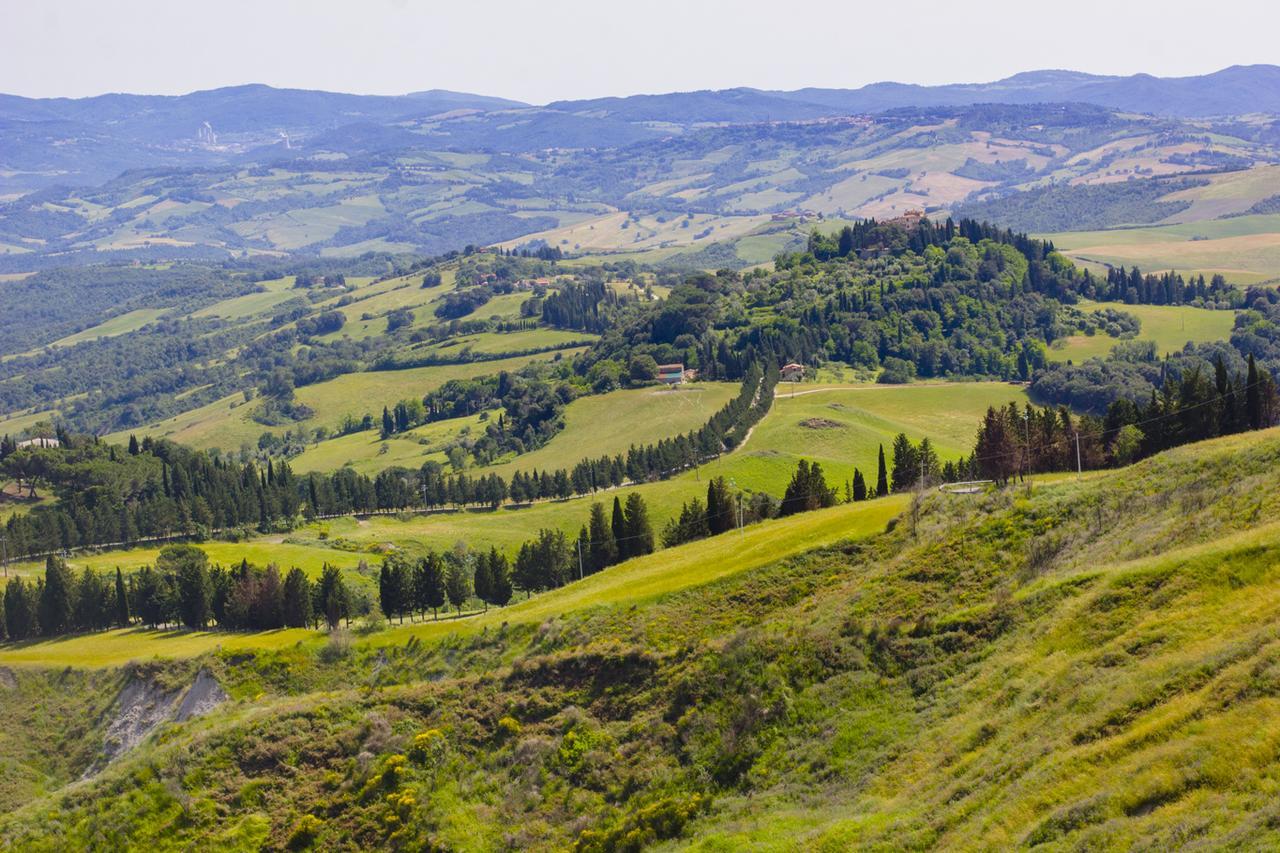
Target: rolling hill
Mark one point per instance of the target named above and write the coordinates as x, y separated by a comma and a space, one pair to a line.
1073, 662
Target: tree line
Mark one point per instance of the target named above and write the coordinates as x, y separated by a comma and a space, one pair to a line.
181, 589
1193, 407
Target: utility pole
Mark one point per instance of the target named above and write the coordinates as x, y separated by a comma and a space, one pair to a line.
579, 559
1079, 468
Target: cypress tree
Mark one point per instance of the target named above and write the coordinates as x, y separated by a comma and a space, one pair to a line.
882, 476
619, 525
55, 598
483, 579
333, 595
457, 584
387, 589
500, 569
639, 529
297, 599
859, 486
388, 425
428, 588
1253, 397
906, 463
19, 610
122, 601
604, 548
720, 510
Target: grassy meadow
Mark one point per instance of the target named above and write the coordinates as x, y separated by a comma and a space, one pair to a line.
228, 423
1171, 327
631, 582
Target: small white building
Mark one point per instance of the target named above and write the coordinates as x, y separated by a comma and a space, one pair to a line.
792, 372
39, 442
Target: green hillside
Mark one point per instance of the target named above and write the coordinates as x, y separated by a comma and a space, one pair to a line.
1077, 663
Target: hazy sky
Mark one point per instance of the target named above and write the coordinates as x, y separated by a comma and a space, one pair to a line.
543, 51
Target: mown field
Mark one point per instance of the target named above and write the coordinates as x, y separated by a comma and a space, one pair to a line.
1171, 327
1244, 249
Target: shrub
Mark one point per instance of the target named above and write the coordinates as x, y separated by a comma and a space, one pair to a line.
305, 832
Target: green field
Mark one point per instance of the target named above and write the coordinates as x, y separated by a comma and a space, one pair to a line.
239, 307
368, 453
634, 581
1170, 326
610, 423
496, 343
594, 426
1244, 249
121, 324
842, 427
227, 423
260, 552
15, 424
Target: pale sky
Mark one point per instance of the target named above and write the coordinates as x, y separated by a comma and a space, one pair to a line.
553, 49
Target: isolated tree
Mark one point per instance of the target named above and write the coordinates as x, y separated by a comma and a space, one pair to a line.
297, 599
122, 601
859, 486
604, 549
882, 476
388, 425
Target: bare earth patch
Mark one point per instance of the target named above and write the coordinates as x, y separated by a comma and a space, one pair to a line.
821, 423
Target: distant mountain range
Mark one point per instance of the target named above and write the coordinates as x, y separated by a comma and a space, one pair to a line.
89, 140
258, 169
